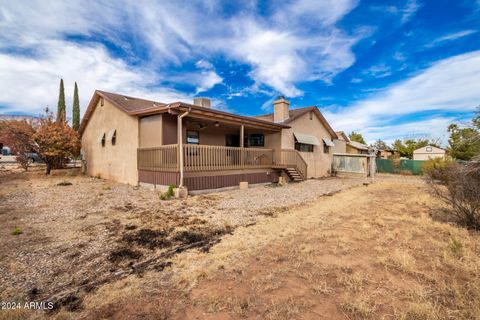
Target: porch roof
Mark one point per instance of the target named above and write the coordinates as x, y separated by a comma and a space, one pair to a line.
141, 107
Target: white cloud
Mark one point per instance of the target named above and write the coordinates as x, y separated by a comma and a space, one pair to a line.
379, 71
450, 37
410, 9
31, 83
450, 85
281, 49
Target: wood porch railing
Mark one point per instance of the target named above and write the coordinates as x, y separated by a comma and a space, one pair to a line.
199, 158
288, 158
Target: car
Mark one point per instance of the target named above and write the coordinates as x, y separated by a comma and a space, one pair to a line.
33, 157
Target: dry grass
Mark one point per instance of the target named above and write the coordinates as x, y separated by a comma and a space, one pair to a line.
366, 253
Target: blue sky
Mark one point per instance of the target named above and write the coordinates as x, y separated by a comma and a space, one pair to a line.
387, 69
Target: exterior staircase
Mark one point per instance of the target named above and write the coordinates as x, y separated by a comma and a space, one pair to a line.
294, 174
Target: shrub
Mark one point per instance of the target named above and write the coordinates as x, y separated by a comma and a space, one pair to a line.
459, 187
16, 231
169, 194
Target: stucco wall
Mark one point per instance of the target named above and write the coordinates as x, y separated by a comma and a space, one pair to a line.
428, 152
340, 146
169, 129
150, 131
427, 156
115, 162
353, 150
318, 162
215, 136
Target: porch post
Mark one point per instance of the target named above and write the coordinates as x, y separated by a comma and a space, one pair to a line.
242, 133
180, 145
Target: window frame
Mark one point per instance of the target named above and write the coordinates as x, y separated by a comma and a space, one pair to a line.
309, 147
197, 133
262, 140
326, 149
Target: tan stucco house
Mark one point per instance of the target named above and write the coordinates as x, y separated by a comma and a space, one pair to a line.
139, 141
341, 142
355, 147
428, 152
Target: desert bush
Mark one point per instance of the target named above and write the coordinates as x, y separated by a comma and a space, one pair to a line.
169, 194
459, 187
16, 231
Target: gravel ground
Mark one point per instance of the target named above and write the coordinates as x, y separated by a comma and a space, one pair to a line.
69, 232
242, 206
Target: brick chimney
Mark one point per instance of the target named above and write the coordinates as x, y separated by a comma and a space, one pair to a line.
280, 109
202, 102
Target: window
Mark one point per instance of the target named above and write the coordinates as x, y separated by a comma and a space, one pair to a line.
101, 102
326, 149
112, 136
429, 149
193, 137
232, 140
256, 140
101, 139
303, 147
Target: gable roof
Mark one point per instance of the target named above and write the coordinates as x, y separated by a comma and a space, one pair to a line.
294, 114
341, 133
140, 107
358, 145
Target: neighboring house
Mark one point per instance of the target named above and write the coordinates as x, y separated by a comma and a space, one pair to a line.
428, 152
341, 142
134, 141
385, 154
355, 147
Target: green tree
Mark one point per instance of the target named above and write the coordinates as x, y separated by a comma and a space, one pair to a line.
61, 103
476, 120
380, 145
76, 109
356, 137
464, 143
405, 148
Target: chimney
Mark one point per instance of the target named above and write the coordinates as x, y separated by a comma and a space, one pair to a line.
280, 109
202, 102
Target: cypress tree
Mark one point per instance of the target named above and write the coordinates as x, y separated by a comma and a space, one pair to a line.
76, 109
61, 103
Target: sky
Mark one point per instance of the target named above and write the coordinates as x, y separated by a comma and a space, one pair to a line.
387, 69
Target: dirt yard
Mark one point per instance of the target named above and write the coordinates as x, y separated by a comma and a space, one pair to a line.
105, 250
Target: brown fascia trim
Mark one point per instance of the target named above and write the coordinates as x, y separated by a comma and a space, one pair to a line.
215, 114
88, 113
231, 116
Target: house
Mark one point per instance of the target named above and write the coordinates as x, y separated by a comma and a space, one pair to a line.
385, 154
138, 141
341, 142
355, 147
309, 133
428, 152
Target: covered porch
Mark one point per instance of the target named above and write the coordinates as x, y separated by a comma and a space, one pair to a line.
211, 151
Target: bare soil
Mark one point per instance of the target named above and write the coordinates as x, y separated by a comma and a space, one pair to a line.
371, 251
